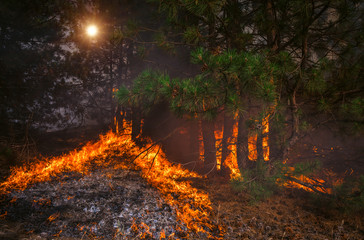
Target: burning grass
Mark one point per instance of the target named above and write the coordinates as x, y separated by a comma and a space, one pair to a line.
192, 206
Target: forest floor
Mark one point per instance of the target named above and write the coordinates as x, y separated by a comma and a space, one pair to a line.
290, 214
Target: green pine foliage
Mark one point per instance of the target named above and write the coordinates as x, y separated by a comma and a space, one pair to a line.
261, 181
225, 79
257, 183
349, 196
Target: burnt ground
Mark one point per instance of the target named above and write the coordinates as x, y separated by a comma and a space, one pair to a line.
103, 204
83, 209
291, 214
108, 201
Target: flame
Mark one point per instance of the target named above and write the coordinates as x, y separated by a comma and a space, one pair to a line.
218, 136
265, 144
162, 235
53, 217
192, 206
315, 183
252, 146
231, 160
200, 141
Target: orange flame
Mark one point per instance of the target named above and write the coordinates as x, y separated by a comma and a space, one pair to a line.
265, 144
252, 146
218, 136
231, 160
200, 141
192, 206
53, 217
314, 183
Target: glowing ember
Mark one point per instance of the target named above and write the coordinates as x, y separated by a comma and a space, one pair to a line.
53, 217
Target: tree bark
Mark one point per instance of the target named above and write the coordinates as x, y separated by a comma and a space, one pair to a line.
272, 34
209, 144
228, 130
293, 99
136, 123
194, 140
241, 144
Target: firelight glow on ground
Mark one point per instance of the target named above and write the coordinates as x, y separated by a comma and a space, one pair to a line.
192, 206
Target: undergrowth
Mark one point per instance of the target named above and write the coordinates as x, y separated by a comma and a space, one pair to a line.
347, 197
265, 179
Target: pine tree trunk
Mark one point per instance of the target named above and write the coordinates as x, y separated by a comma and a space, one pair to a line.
209, 145
241, 144
272, 34
260, 159
228, 130
293, 99
136, 123
194, 140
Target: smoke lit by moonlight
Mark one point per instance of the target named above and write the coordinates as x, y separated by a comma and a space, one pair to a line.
92, 30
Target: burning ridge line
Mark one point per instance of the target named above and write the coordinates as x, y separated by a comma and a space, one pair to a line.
44, 170
192, 207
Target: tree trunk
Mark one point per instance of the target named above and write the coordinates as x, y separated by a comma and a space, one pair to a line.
228, 130
209, 145
194, 140
293, 100
272, 34
241, 144
136, 123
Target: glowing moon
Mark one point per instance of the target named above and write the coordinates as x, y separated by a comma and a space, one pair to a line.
92, 30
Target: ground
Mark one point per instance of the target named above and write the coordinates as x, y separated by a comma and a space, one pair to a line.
290, 214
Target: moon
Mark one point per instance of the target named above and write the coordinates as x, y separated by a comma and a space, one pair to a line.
92, 30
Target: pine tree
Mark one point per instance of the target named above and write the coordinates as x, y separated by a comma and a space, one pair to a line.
311, 48
227, 79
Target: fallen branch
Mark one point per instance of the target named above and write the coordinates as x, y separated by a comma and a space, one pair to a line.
155, 143
154, 160
308, 185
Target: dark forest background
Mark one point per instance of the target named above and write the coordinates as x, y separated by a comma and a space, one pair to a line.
301, 61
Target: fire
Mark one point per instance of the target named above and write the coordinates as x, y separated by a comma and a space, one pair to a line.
312, 184
265, 144
200, 141
231, 160
253, 139
307, 183
252, 146
192, 206
53, 217
218, 136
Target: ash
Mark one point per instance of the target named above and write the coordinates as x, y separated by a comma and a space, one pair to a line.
108, 203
